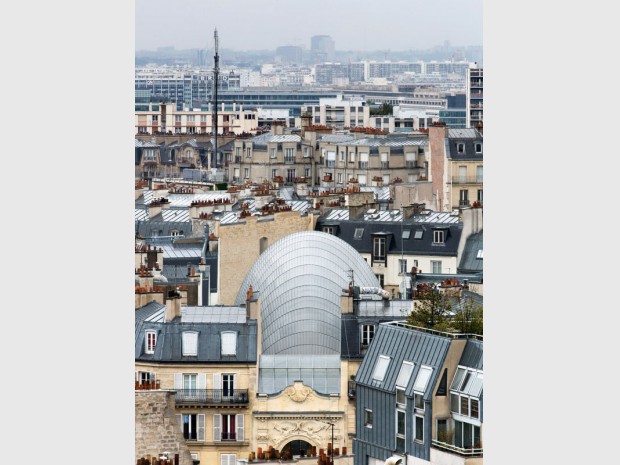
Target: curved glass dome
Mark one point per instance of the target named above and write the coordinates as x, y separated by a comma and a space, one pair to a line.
300, 280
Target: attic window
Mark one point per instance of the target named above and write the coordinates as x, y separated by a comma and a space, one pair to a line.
381, 368
229, 343
190, 343
151, 342
478, 146
418, 234
479, 254
460, 147
359, 232
438, 236
406, 233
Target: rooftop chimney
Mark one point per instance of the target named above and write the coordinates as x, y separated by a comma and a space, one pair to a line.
173, 305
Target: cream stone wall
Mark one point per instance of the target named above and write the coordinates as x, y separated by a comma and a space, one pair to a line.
301, 413
210, 451
239, 246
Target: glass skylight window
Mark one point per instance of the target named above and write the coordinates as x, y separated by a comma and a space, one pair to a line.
381, 368
422, 380
479, 254
406, 233
458, 377
418, 234
404, 374
358, 233
474, 386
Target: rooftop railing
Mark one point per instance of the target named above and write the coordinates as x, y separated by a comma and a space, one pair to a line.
468, 452
211, 396
400, 324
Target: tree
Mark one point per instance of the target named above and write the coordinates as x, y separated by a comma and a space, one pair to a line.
385, 109
431, 308
467, 316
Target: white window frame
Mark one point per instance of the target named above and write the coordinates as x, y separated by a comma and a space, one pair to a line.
246, 173
402, 266
228, 459
273, 153
148, 347
439, 236
226, 335
367, 424
404, 383
378, 249
189, 339
417, 386
415, 429
368, 333
381, 366
402, 435
436, 265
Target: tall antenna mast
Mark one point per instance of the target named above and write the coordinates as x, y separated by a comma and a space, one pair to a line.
216, 73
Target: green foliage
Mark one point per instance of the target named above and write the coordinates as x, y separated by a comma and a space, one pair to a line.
386, 109
222, 186
442, 311
431, 309
468, 317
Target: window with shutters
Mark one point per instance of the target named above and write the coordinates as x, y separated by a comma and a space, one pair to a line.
228, 427
151, 341
229, 343
192, 426
190, 343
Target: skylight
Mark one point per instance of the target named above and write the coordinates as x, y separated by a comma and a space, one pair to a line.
406, 233
479, 255
422, 380
418, 234
381, 368
404, 374
358, 233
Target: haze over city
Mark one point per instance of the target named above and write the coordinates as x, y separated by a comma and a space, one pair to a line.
246, 25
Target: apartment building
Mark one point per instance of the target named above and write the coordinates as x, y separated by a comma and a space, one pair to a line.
475, 96
339, 112
163, 118
419, 398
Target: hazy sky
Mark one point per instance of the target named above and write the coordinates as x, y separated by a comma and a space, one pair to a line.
267, 24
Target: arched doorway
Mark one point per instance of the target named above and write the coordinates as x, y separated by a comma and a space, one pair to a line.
298, 447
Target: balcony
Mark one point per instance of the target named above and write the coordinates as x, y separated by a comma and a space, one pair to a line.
289, 160
466, 180
330, 164
229, 436
385, 165
211, 396
363, 165
459, 451
463, 203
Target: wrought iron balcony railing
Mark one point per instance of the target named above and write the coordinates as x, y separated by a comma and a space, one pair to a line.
211, 396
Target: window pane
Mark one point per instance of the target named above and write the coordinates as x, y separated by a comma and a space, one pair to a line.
477, 443
464, 405
381, 368
404, 374
458, 434
419, 401
400, 397
474, 408
454, 403
458, 377
467, 436
400, 422
422, 380
419, 428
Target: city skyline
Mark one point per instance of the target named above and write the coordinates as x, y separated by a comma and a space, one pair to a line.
190, 24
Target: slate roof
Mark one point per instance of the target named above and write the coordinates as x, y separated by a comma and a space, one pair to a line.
400, 343
394, 232
472, 355
169, 348
466, 136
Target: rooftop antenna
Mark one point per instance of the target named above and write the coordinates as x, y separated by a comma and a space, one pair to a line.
216, 73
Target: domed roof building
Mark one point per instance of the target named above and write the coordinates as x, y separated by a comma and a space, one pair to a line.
299, 281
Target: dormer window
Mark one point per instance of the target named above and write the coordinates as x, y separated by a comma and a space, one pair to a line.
460, 147
328, 230
229, 343
150, 342
478, 147
378, 249
439, 236
190, 343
